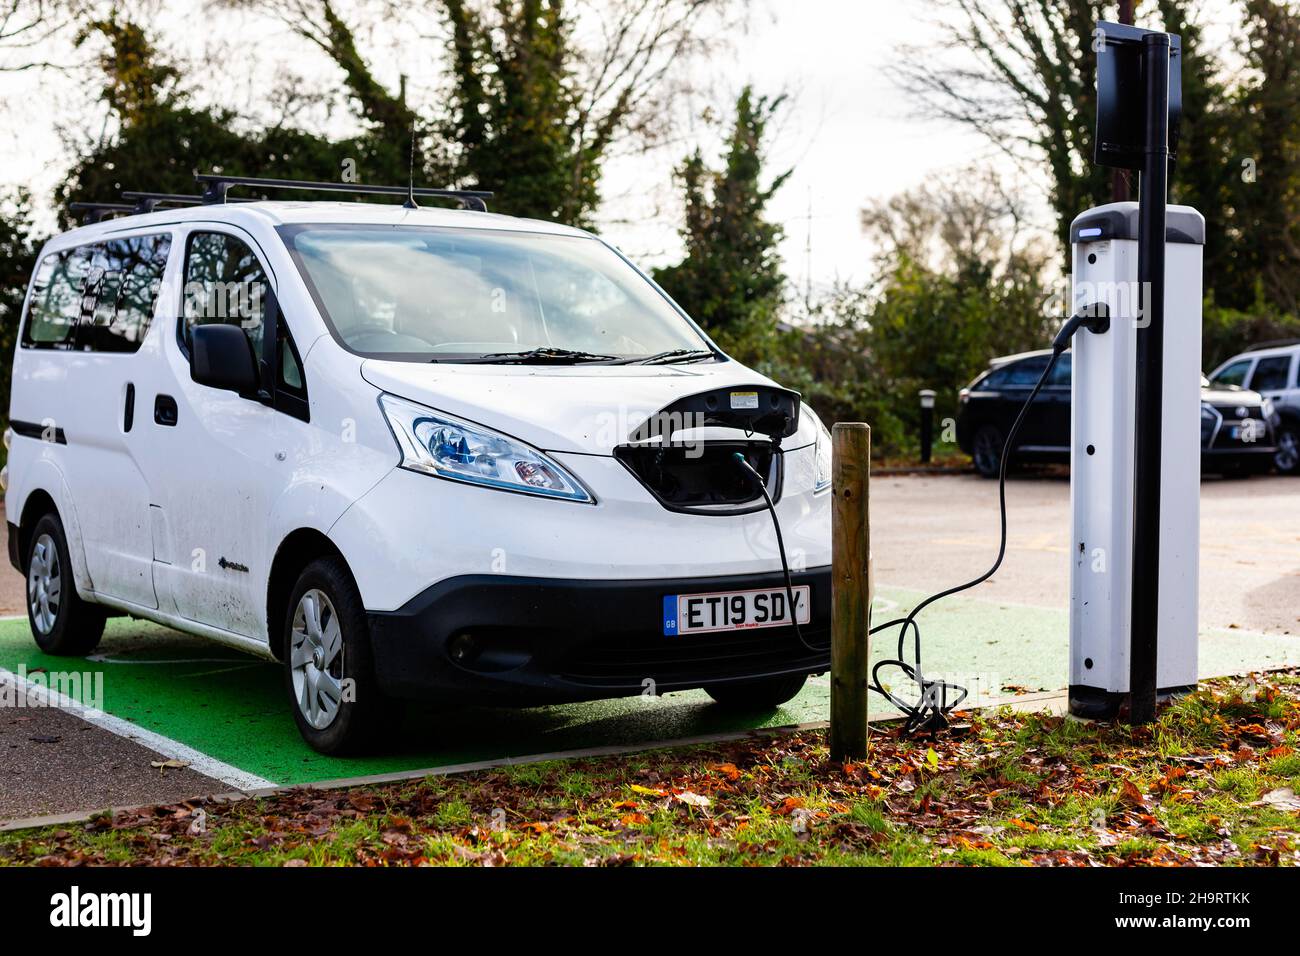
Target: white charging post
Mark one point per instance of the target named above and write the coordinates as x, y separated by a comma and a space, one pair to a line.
1103, 574
1135, 417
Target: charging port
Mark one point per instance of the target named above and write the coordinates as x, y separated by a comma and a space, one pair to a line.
703, 477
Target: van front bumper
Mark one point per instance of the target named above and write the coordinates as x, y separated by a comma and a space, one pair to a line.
497, 639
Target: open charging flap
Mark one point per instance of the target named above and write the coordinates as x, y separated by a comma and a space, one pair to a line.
703, 476
757, 409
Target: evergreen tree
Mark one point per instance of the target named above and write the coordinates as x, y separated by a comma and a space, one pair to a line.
515, 107
1264, 227
18, 248
730, 280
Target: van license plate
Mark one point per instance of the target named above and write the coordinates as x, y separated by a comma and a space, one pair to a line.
733, 610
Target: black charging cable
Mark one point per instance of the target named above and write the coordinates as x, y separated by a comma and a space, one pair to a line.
938, 697
780, 547
930, 711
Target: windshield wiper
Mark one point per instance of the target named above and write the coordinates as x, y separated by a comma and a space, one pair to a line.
540, 356
672, 356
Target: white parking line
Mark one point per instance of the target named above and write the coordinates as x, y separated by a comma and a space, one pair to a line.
172, 749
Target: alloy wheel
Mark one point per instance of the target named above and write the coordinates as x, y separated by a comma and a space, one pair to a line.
44, 584
316, 659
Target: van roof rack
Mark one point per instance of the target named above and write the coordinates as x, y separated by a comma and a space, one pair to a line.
99, 211
138, 203
148, 202
216, 186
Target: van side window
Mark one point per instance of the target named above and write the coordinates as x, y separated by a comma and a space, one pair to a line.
224, 283
56, 305
97, 298
291, 377
121, 291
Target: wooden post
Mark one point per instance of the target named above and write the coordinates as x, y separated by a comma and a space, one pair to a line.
852, 589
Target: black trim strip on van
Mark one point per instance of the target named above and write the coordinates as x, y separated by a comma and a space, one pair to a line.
37, 430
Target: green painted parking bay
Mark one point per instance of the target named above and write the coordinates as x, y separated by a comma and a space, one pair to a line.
232, 707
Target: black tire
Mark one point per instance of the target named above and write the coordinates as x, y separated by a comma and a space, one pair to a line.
62, 623
761, 694
986, 450
359, 715
1287, 458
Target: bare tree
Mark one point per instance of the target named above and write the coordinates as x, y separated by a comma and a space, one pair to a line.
26, 29
632, 60
970, 221
1022, 74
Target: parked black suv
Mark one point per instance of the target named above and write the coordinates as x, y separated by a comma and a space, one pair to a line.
1236, 424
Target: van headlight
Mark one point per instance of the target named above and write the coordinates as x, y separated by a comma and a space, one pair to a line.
823, 479
437, 444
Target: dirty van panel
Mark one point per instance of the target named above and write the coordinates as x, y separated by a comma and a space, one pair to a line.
90, 310
210, 453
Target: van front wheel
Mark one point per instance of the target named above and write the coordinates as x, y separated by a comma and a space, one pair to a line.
327, 668
62, 623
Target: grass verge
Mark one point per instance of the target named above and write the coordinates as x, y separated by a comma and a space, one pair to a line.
1214, 781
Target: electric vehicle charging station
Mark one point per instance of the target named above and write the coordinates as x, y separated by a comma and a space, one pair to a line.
1135, 390
1102, 442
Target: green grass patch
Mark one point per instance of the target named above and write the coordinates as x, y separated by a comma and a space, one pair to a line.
1207, 783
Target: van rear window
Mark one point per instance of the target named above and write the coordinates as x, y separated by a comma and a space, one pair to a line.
98, 297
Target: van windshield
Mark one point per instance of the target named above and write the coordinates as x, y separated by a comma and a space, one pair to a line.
430, 294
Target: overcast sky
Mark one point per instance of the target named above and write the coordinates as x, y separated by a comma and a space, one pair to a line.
847, 132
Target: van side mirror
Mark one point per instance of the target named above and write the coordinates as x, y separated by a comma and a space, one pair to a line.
222, 357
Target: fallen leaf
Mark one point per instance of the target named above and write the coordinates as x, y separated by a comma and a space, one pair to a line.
789, 805
1283, 798
691, 799
1130, 794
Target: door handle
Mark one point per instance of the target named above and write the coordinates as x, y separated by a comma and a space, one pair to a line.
128, 413
164, 410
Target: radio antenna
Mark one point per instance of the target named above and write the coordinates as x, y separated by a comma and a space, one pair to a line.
410, 174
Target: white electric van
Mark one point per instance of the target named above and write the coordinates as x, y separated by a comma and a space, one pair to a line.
409, 453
